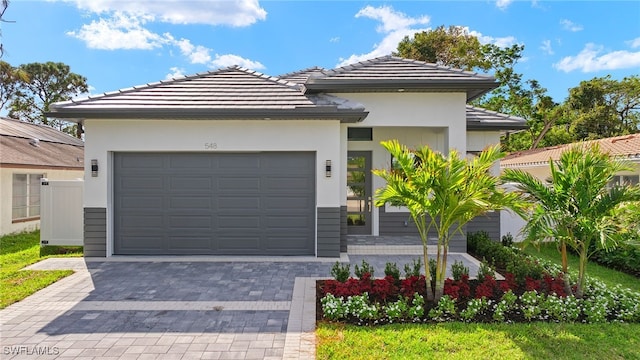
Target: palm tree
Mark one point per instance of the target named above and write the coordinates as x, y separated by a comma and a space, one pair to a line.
441, 192
576, 207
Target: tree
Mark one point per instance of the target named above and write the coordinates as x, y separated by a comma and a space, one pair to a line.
441, 192
10, 77
603, 107
576, 208
46, 84
456, 47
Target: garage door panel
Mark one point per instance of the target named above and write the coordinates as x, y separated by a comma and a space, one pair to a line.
147, 203
239, 184
286, 203
135, 161
190, 222
214, 203
189, 202
190, 183
142, 221
238, 222
202, 243
141, 183
238, 202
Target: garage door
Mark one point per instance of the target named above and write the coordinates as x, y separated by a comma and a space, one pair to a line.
202, 203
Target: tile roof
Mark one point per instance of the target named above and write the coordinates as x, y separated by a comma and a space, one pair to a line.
232, 92
625, 146
30, 145
390, 72
17, 128
301, 76
482, 119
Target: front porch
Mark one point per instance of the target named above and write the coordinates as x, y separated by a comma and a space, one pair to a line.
401, 250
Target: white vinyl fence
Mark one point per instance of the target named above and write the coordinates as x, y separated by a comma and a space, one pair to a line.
61, 212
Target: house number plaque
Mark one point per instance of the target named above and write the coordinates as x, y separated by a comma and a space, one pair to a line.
210, 146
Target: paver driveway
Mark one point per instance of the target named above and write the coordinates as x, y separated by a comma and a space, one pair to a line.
174, 309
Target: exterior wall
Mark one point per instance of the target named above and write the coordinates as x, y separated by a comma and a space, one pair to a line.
104, 137
328, 232
513, 224
6, 189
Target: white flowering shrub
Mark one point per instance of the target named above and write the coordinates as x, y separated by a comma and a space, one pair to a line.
416, 311
397, 310
530, 302
360, 307
474, 307
506, 304
333, 307
446, 309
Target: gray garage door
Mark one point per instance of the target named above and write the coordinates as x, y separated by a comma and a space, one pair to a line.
203, 203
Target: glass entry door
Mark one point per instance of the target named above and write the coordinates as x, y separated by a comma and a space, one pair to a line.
359, 197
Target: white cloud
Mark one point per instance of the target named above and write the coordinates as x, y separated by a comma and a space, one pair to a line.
503, 4
502, 42
570, 25
227, 12
197, 54
394, 25
591, 59
546, 47
119, 32
335, 39
227, 60
176, 72
635, 43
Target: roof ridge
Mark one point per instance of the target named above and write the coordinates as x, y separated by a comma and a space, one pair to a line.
380, 59
309, 69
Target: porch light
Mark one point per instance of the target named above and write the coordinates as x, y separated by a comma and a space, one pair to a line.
94, 167
327, 168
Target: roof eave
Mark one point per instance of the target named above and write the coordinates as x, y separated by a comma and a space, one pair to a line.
495, 126
330, 113
473, 88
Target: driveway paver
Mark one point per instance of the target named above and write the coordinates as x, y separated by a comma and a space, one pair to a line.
176, 308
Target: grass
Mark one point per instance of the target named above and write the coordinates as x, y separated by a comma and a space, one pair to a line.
608, 276
537, 340
20, 250
479, 341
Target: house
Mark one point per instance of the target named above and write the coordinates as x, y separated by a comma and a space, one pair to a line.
29, 152
237, 162
536, 162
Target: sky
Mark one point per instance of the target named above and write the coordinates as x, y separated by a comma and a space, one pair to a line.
118, 44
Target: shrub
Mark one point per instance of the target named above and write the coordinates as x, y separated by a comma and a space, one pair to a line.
458, 269
363, 269
391, 269
444, 311
341, 272
413, 269
484, 271
507, 240
474, 307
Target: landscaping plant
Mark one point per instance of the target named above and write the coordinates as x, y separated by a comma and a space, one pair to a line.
442, 192
576, 207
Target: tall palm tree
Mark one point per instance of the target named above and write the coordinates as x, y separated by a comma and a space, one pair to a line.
576, 208
441, 192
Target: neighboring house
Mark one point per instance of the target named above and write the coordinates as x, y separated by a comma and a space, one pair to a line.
236, 162
536, 162
29, 152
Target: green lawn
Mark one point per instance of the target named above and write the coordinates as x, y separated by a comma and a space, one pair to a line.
20, 250
608, 276
489, 341
480, 341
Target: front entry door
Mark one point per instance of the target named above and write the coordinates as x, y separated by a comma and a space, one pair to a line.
359, 197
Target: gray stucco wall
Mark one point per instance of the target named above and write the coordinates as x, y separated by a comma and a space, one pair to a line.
401, 224
95, 232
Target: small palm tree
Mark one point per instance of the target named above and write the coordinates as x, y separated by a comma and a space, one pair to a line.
576, 207
441, 192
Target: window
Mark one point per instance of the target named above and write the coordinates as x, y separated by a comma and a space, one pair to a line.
26, 196
624, 180
359, 134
